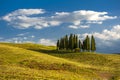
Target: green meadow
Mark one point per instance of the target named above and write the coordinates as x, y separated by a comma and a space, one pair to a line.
38, 62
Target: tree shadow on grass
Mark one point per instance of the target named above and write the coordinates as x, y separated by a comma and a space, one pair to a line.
51, 51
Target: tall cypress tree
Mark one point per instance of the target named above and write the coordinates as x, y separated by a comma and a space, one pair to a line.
77, 43
58, 45
61, 44
66, 42
74, 41
71, 42
87, 43
84, 45
80, 45
93, 44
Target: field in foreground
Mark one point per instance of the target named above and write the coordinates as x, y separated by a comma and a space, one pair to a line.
32, 61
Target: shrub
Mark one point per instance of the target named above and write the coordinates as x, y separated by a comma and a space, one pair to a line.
77, 49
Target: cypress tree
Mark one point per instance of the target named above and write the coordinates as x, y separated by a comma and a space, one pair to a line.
58, 45
74, 41
77, 44
84, 45
87, 43
93, 45
71, 42
61, 44
80, 45
66, 42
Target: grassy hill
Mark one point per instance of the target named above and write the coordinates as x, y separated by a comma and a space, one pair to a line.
32, 61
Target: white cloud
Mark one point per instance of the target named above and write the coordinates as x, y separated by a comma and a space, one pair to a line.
21, 38
47, 42
73, 26
22, 34
32, 36
113, 34
62, 13
29, 39
79, 26
21, 13
54, 23
14, 40
22, 18
25, 38
26, 18
81, 18
1, 39
107, 35
107, 39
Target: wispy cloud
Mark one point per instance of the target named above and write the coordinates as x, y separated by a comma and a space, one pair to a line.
78, 26
21, 13
21, 38
23, 34
26, 18
1, 38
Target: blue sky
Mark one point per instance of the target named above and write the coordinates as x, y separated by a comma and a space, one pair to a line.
45, 21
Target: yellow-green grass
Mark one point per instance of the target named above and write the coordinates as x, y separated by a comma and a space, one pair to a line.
31, 46
90, 58
18, 63
20, 73
108, 60
82, 66
106, 63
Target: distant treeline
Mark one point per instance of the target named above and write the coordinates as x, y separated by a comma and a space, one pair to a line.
74, 44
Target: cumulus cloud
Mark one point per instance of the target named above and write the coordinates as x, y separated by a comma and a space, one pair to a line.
107, 39
113, 34
82, 18
47, 42
26, 18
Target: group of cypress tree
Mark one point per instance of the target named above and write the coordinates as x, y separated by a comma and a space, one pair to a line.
72, 43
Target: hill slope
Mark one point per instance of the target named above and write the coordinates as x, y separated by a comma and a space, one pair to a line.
18, 63
29, 61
